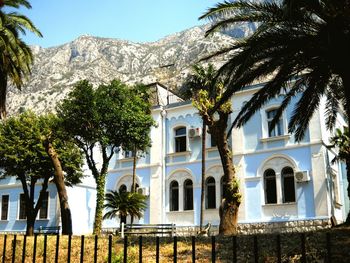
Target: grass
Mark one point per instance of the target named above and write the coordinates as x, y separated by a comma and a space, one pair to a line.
291, 251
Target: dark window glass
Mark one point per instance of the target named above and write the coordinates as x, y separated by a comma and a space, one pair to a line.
188, 192
22, 207
270, 187
44, 206
4, 207
212, 141
210, 193
174, 196
288, 186
278, 129
180, 140
122, 188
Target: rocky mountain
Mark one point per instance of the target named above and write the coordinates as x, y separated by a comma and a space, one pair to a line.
100, 60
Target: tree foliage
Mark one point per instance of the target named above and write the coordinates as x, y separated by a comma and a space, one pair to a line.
101, 121
23, 154
299, 47
16, 57
123, 204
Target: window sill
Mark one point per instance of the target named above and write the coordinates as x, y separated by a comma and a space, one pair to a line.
129, 159
179, 153
181, 212
21, 220
279, 204
43, 219
4, 220
275, 138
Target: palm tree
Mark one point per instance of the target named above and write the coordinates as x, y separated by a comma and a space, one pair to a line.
122, 204
205, 91
16, 57
299, 48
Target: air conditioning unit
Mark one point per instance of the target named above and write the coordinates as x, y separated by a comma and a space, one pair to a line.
143, 191
194, 132
302, 176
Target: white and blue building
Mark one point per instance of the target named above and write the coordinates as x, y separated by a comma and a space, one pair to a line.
281, 180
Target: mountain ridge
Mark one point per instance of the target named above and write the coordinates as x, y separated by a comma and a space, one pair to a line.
99, 60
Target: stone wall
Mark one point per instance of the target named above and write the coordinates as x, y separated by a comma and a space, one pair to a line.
263, 228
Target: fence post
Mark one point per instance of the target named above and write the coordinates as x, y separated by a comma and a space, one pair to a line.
175, 249
193, 249
213, 249
140, 249
278, 243
24, 248
109, 248
234, 249
256, 251
14, 248
57, 247
34, 248
69, 247
95, 248
157, 249
82, 249
303, 248
45, 248
125, 249
4, 250
328, 244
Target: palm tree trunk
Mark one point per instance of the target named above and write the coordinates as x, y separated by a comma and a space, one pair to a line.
3, 93
66, 216
204, 135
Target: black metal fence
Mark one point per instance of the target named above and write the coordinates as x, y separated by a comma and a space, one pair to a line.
326, 246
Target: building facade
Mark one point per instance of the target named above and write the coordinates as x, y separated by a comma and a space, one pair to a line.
281, 181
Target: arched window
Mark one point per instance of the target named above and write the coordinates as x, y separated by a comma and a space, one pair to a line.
288, 186
210, 193
188, 195
270, 187
174, 196
122, 188
180, 139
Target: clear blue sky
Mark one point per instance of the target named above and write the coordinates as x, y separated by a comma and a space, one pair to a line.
61, 21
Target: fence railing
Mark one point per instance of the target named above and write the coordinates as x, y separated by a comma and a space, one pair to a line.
326, 246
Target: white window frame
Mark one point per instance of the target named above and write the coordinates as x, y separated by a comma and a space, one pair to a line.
48, 208
8, 207
19, 207
178, 136
264, 122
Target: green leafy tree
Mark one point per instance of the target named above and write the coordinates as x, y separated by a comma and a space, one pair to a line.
100, 122
341, 141
23, 154
139, 139
206, 91
299, 48
16, 57
122, 204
